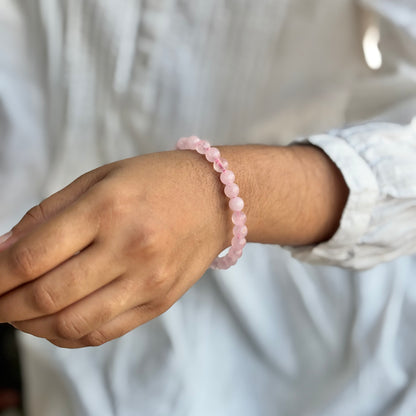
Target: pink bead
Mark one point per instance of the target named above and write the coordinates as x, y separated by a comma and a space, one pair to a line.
240, 231
202, 147
222, 263
231, 190
229, 260
238, 242
227, 177
181, 144
220, 165
237, 253
215, 264
236, 204
232, 261
192, 142
213, 154
233, 257
239, 218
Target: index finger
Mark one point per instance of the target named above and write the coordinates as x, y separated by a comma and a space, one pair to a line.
48, 245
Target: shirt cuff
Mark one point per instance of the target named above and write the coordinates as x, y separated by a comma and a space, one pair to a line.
355, 219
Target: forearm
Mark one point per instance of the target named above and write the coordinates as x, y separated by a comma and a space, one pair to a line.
294, 195
297, 195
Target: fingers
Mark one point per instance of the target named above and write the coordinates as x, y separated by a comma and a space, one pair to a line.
51, 289
70, 282
116, 328
101, 307
6, 240
57, 202
48, 245
88, 324
52, 205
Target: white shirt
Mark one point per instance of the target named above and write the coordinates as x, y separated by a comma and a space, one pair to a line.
86, 82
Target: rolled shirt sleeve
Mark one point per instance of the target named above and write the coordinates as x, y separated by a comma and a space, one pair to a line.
378, 224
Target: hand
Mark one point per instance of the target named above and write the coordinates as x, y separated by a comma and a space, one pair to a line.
121, 244
114, 249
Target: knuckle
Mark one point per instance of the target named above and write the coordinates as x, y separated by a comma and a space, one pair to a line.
23, 261
159, 282
109, 310
95, 339
114, 209
143, 242
150, 241
71, 327
36, 214
43, 299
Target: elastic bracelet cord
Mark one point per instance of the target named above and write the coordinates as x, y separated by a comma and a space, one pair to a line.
231, 190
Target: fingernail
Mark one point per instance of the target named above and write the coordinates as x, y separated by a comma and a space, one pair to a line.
5, 237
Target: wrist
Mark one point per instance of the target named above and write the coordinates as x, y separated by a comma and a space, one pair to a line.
294, 195
207, 192
257, 167
231, 190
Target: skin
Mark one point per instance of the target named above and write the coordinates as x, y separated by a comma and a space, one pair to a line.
122, 243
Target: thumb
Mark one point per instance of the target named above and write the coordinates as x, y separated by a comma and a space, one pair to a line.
52, 205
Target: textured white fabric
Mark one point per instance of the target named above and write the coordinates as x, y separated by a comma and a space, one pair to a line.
84, 82
378, 162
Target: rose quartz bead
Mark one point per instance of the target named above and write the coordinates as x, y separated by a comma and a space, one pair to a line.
239, 218
215, 264
213, 154
202, 147
192, 142
220, 165
227, 177
222, 264
236, 204
240, 231
226, 262
232, 254
231, 190
238, 253
181, 144
238, 242
233, 260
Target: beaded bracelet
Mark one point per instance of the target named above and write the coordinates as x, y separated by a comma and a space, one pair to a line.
231, 190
